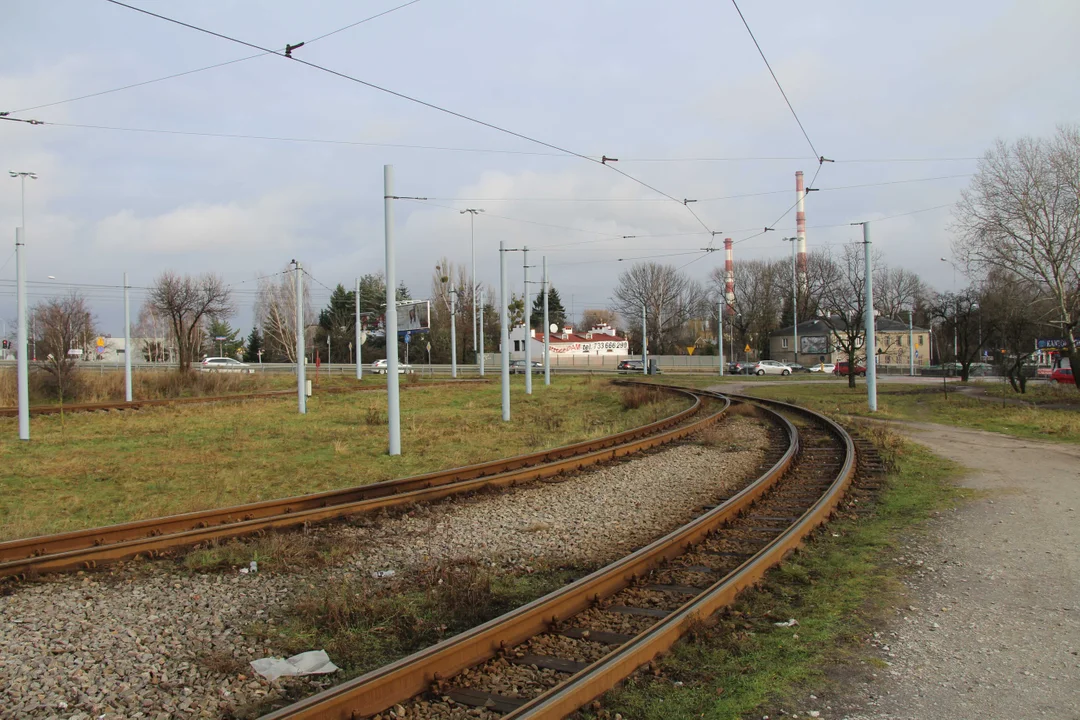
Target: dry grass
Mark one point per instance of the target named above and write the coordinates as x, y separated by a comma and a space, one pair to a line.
90, 385
102, 468
636, 396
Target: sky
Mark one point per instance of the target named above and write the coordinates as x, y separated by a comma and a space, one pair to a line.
909, 94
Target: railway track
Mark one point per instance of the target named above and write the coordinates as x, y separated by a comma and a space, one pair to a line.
235, 397
86, 549
551, 657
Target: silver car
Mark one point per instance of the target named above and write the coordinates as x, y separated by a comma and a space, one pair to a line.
770, 367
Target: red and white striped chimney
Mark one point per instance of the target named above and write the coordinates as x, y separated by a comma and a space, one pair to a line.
729, 274
800, 224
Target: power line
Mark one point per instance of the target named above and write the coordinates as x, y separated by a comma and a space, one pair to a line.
791, 159
603, 161
775, 79
211, 67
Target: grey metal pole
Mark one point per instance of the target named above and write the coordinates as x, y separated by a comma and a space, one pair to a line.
359, 362
546, 329
794, 299
644, 343
301, 390
453, 332
480, 354
871, 342
911, 344
127, 341
528, 322
23, 371
720, 334
393, 410
504, 334
472, 276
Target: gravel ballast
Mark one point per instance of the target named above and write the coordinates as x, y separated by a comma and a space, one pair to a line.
158, 642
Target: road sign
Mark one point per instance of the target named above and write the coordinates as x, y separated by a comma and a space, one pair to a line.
100, 342
689, 349
747, 348
220, 337
408, 338
74, 351
429, 347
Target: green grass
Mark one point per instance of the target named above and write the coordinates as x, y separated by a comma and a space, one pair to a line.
91, 469
927, 403
1037, 392
833, 587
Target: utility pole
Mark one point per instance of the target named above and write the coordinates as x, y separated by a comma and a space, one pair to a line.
127, 341
644, 342
911, 342
528, 321
393, 413
504, 334
546, 329
481, 354
23, 371
794, 295
301, 390
359, 364
453, 332
720, 334
472, 272
868, 315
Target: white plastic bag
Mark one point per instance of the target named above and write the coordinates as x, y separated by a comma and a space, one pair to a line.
312, 662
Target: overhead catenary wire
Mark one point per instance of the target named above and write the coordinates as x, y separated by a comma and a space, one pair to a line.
462, 116
210, 67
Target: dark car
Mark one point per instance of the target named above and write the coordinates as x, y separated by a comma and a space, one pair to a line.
797, 368
629, 366
739, 368
517, 367
841, 369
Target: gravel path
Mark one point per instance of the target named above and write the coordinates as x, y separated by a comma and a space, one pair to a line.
156, 643
993, 625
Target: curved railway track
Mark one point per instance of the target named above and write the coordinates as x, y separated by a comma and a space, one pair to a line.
556, 654
85, 549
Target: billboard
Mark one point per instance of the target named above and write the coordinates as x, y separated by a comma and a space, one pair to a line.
413, 316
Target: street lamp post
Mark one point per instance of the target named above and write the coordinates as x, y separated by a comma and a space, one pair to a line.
794, 296
956, 310
472, 272
22, 369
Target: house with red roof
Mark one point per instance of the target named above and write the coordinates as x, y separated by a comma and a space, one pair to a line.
602, 340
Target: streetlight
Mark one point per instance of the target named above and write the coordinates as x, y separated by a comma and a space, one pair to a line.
472, 272
956, 308
22, 181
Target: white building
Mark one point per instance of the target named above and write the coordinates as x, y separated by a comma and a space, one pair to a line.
600, 341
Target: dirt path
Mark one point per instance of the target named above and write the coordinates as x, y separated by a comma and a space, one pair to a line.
993, 628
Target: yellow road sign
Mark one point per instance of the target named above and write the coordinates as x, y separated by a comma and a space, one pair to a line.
689, 349
101, 342
747, 348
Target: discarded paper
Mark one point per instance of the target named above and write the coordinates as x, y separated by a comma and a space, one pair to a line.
312, 662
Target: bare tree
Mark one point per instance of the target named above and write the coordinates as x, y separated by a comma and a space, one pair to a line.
843, 304
760, 289
670, 299
185, 302
961, 316
275, 312
591, 318
1013, 310
896, 290
62, 324
1020, 215
155, 332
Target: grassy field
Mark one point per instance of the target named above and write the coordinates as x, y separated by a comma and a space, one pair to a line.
90, 469
834, 587
927, 403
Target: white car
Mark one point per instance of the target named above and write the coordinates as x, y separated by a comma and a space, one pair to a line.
769, 367
379, 367
823, 368
224, 364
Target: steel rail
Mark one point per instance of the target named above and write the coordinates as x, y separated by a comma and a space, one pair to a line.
9, 411
87, 548
380, 689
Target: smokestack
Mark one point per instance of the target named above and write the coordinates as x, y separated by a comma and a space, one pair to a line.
800, 225
729, 274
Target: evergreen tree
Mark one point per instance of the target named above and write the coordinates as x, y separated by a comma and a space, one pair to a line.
228, 346
556, 311
254, 346
336, 323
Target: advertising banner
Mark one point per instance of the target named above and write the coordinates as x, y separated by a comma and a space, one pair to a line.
413, 317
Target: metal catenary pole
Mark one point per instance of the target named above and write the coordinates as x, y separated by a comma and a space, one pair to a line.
23, 371
472, 275
393, 412
528, 322
911, 343
795, 298
871, 341
644, 343
504, 334
301, 391
453, 332
360, 364
546, 330
720, 334
127, 341
480, 354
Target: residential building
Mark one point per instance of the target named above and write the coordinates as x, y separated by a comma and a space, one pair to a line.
818, 342
602, 340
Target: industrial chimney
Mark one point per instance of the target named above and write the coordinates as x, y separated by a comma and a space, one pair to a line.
729, 274
800, 226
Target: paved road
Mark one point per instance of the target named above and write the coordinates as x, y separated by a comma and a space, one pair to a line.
993, 625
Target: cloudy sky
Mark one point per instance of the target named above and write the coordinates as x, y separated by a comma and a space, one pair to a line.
893, 92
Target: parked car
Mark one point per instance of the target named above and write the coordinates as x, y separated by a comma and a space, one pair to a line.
738, 368
224, 364
841, 369
1063, 376
770, 367
379, 367
517, 367
823, 367
797, 368
630, 366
